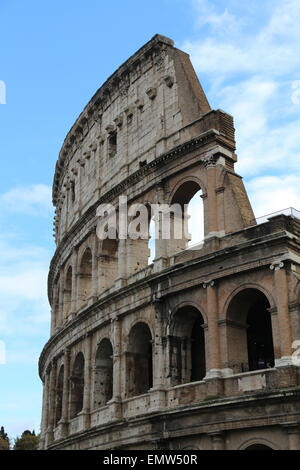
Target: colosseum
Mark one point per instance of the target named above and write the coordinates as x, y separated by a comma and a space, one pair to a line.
196, 346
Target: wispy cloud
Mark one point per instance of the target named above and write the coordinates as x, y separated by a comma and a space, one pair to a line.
31, 200
251, 67
24, 309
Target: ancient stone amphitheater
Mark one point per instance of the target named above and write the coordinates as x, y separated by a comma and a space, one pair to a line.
196, 348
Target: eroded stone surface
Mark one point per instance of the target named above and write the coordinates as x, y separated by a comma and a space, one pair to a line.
163, 346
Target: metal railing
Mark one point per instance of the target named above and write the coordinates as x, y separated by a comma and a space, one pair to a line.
290, 211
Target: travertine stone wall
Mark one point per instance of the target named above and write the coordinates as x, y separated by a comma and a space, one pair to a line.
164, 346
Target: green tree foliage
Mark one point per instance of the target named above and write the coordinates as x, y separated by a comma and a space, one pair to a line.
28, 441
4, 440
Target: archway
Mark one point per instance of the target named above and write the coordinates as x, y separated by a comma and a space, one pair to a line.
258, 447
108, 263
68, 292
103, 382
85, 277
139, 238
139, 360
249, 332
59, 395
187, 346
188, 198
57, 315
77, 385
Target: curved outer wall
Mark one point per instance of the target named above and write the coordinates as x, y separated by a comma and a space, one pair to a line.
118, 369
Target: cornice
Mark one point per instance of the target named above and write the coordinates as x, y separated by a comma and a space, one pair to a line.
120, 188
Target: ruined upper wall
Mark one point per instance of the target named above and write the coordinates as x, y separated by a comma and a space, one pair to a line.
134, 117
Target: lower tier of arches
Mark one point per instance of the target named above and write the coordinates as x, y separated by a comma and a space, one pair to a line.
251, 422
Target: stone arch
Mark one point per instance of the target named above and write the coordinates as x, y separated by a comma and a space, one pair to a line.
186, 345
68, 291
85, 276
59, 395
77, 385
108, 263
138, 251
103, 377
139, 362
186, 179
220, 183
249, 335
182, 223
185, 303
134, 321
248, 285
257, 444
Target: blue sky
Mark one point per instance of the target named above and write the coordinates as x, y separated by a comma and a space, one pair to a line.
54, 56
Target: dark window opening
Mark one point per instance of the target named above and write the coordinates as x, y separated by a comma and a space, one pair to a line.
249, 335
112, 144
198, 351
139, 361
77, 386
259, 337
187, 347
103, 384
73, 190
59, 395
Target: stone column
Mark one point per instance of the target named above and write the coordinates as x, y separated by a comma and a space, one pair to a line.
117, 355
122, 264
294, 436
158, 395
218, 441
73, 290
161, 243
158, 356
66, 394
212, 214
60, 310
53, 318
94, 270
213, 330
51, 406
77, 282
87, 382
44, 419
281, 291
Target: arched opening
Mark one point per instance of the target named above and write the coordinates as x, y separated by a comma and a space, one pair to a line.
77, 385
103, 382
85, 277
249, 332
57, 316
138, 242
151, 244
68, 292
258, 447
188, 197
187, 346
108, 263
196, 220
139, 360
59, 395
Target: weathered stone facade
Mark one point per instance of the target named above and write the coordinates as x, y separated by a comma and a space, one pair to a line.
167, 355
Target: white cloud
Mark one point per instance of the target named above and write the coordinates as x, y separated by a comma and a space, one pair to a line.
270, 193
250, 58
232, 48
32, 200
